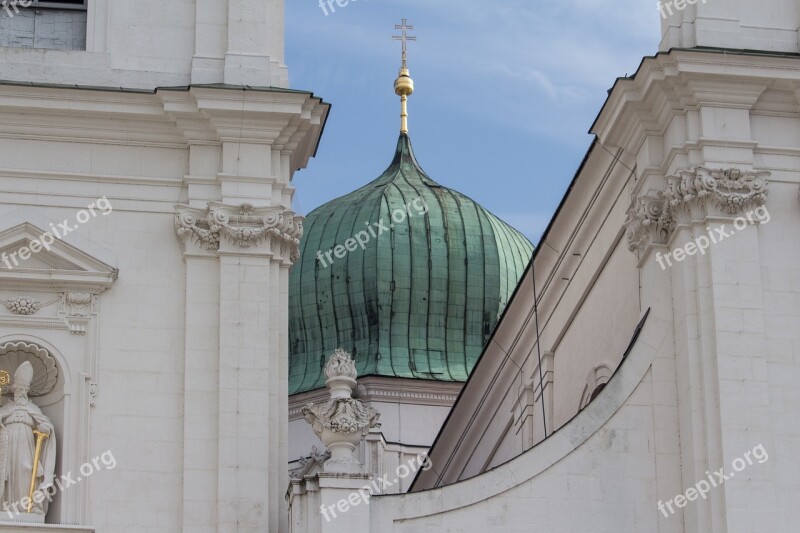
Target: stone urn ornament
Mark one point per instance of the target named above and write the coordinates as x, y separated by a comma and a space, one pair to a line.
341, 422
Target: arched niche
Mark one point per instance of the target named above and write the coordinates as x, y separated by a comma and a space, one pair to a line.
596, 380
47, 392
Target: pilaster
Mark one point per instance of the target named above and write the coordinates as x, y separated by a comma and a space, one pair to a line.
710, 218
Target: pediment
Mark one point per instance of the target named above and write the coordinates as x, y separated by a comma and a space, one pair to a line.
57, 265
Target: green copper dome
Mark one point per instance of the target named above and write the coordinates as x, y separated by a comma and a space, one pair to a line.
408, 276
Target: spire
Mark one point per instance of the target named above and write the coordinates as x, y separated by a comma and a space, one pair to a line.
404, 85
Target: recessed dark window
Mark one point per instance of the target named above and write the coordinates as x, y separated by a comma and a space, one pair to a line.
597, 391
60, 4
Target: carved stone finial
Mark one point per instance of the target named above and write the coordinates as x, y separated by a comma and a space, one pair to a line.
341, 422
340, 365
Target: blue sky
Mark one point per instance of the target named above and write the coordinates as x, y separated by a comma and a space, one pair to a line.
505, 92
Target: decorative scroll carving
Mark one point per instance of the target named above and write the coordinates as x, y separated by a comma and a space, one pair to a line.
649, 220
692, 194
341, 422
77, 309
243, 226
79, 303
731, 190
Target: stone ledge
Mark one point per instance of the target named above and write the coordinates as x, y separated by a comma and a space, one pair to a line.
44, 528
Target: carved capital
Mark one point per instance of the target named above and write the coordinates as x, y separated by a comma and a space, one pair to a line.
649, 221
692, 195
240, 227
723, 192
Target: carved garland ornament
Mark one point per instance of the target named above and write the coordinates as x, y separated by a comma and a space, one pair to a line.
653, 217
243, 226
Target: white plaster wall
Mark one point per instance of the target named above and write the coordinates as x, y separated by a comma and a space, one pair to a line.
599, 334
766, 25
595, 474
192, 346
146, 44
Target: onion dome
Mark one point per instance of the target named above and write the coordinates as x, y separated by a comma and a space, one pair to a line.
408, 276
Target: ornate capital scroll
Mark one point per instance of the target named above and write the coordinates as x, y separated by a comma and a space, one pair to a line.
241, 227
695, 194
718, 192
649, 221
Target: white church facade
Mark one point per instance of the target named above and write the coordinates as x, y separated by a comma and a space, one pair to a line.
641, 377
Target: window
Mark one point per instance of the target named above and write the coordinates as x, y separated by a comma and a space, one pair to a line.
46, 24
61, 4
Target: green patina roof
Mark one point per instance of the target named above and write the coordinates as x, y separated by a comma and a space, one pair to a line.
420, 300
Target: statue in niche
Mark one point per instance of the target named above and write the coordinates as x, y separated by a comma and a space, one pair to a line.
24, 431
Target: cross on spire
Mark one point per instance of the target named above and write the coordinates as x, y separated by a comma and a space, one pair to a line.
404, 37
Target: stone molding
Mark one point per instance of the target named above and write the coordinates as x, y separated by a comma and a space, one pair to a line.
698, 193
243, 227
385, 389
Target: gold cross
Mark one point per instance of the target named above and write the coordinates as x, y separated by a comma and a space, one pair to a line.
404, 37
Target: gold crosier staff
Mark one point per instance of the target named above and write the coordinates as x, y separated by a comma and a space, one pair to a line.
39, 438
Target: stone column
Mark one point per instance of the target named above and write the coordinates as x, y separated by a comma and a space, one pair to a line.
240, 238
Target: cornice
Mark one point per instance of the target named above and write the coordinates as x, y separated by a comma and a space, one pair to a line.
289, 121
671, 83
391, 390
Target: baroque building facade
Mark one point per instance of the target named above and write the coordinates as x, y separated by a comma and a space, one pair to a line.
146, 241
165, 138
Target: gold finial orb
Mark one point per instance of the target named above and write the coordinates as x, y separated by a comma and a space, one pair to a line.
404, 85
5, 378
